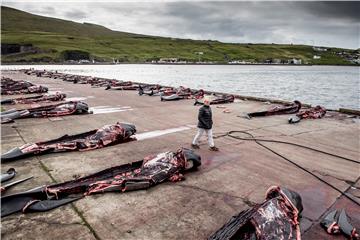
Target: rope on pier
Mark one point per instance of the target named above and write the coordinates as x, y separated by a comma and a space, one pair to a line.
258, 141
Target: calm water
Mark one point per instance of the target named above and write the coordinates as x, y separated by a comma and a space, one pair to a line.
330, 86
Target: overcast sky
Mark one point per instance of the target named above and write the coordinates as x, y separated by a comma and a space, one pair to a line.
334, 24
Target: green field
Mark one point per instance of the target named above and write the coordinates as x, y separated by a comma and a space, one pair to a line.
52, 39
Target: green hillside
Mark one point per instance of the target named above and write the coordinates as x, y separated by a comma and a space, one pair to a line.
44, 39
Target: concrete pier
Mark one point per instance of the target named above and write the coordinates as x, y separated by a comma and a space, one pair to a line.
228, 181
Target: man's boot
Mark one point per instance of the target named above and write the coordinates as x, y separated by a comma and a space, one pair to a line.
195, 146
215, 149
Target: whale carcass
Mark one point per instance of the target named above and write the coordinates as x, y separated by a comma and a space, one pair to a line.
35, 99
152, 170
311, 113
275, 218
12, 87
215, 99
182, 93
55, 110
98, 138
287, 109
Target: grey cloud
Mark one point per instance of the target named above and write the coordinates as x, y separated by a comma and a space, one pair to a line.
32, 8
46, 10
75, 14
339, 10
270, 21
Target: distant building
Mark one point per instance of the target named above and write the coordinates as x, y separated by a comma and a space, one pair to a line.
239, 62
297, 61
316, 57
357, 61
235, 62
320, 49
268, 61
84, 61
294, 61
168, 60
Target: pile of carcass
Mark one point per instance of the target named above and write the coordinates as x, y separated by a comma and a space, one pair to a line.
215, 99
277, 110
170, 93
43, 98
119, 85
12, 87
165, 93
55, 110
311, 113
173, 94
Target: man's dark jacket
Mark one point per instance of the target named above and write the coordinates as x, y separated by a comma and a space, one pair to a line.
205, 117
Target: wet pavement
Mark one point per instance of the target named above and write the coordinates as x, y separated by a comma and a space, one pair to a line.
228, 181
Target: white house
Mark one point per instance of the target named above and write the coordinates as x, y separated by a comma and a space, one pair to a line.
316, 57
357, 61
320, 49
168, 60
84, 61
294, 61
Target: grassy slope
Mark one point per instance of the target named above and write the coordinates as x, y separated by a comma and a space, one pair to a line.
52, 36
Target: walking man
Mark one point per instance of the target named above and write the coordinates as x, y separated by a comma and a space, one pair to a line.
205, 125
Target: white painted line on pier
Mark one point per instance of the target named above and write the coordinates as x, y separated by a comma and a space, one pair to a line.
109, 109
76, 99
158, 133
79, 98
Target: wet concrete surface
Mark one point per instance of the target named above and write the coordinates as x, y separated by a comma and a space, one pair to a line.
228, 181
